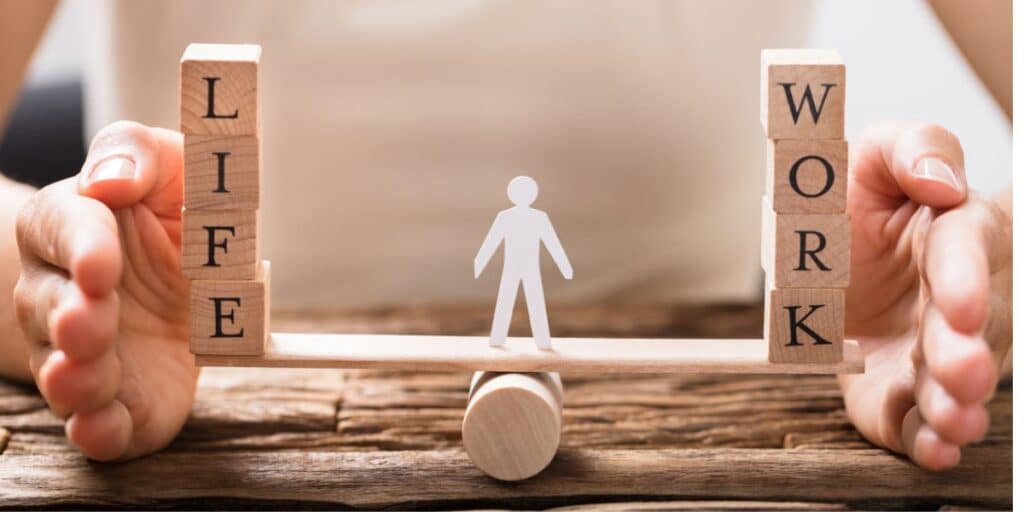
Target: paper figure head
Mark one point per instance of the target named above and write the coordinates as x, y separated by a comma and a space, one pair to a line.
522, 190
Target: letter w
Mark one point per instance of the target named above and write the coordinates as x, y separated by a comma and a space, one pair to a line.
808, 98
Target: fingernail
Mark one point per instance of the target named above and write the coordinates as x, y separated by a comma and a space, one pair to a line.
112, 168
937, 170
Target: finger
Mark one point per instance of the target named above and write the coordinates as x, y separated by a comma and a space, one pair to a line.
956, 269
59, 228
73, 386
130, 163
955, 423
84, 327
878, 400
924, 446
104, 434
961, 363
922, 161
52, 309
36, 295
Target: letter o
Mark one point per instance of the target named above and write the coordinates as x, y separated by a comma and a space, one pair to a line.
830, 176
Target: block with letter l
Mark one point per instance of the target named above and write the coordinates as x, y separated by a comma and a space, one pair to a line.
220, 89
230, 317
803, 94
805, 325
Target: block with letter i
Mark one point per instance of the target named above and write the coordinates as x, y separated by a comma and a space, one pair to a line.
805, 228
220, 119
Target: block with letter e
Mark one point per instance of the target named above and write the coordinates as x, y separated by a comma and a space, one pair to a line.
803, 94
805, 325
230, 317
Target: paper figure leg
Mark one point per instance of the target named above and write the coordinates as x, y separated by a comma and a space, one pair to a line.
503, 309
534, 291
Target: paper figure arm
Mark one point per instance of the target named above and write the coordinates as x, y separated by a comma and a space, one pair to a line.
490, 245
555, 249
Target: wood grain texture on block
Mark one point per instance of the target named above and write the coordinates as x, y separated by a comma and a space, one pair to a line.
807, 176
220, 89
805, 250
805, 325
219, 244
222, 172
472, 353
230, 317
513, 423
803, 94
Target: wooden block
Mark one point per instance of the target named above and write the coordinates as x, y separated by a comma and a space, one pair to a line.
513, 423
219, 244
807, 176
230, 317
803, 94
220, 89
805, 325
222, 173
805, 250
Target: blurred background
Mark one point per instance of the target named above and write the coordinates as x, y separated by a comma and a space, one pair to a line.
926, 56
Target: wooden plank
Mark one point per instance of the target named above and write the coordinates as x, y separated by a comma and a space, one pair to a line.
435, 478
471, 353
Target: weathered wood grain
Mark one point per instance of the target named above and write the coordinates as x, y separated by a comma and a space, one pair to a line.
288, 438
448, 478
654, 506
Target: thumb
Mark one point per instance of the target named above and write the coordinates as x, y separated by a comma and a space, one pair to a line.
920, 161
131, 163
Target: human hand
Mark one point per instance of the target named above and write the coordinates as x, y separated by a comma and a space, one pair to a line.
929, 297
101, 298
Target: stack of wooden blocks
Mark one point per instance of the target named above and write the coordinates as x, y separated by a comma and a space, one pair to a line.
220, 118
805, 228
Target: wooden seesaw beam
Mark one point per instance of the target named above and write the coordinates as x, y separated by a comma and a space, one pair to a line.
472, 353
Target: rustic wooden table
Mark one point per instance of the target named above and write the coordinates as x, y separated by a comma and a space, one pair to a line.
375, 439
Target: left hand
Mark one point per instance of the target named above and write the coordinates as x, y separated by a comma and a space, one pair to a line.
929, 297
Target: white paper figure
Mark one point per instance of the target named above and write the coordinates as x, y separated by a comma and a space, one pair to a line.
522, 229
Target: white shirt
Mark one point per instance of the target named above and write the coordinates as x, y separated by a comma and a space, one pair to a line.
392, 127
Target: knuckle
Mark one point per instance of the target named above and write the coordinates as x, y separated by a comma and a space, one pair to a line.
121, 133
937, 134
25, 305
24, 225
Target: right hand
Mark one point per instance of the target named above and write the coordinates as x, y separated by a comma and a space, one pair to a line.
101, 298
